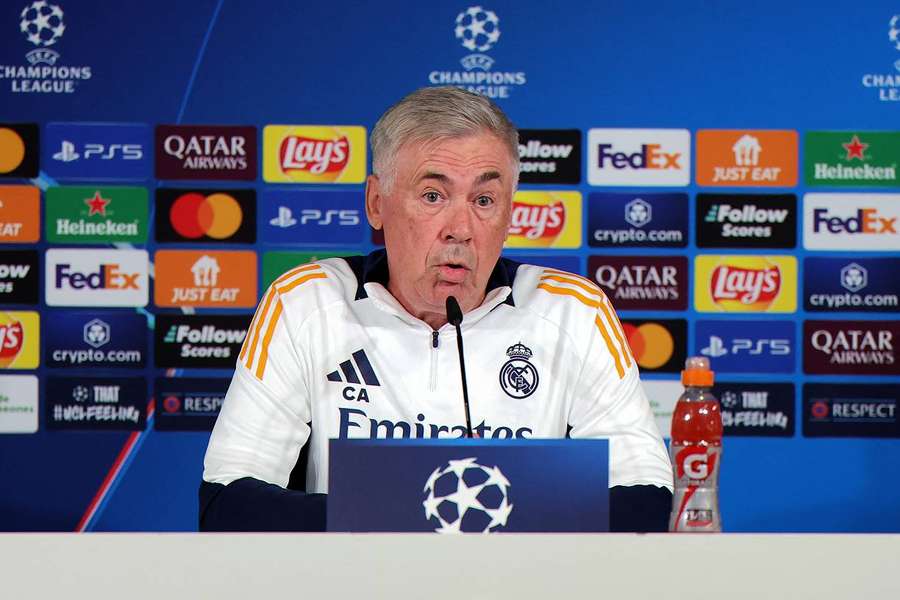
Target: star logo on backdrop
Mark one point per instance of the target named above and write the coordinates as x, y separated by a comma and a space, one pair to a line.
855, 148
97, 204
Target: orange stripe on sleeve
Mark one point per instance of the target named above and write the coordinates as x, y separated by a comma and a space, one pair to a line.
610, 346
270, 330
612, 323
569, 292
259, 323
284, 289
591, 289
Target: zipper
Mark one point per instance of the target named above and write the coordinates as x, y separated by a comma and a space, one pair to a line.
432, 384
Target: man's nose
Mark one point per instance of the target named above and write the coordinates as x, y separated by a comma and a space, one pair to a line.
458, 223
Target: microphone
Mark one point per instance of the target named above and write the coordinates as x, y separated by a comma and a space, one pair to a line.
455, 317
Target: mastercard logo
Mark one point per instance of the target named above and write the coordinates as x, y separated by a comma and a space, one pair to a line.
12, 150
194, 215
651, 344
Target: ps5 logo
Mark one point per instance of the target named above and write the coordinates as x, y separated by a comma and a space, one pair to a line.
68, 153
314, 216
769, 346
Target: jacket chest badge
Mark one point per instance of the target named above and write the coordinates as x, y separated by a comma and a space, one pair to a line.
518, 377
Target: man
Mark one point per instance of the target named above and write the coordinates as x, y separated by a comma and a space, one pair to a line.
361, 347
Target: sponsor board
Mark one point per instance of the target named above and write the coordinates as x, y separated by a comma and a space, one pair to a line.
745, 284
658, 345
96, 403
569, 264
756, 409
275, 264
314, 154
206, 216
851, 222
477, 30
19, 277
650, 220
313, 217
96, 339
850, 410
96, 278
642, 282
19, 150
226, 152
662, 395
851, 284
96, 215
851, 347
747, 346
199, 341
208, 278
852, 158
746, 220
550, 156
20, 214
18, 404
20, 334
97, 151
188, 404
742, 157
545, 220
639, 157
42, 24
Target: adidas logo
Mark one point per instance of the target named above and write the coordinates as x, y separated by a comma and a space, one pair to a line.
358, 366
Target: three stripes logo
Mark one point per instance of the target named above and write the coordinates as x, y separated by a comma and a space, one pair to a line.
607, 322
351, 370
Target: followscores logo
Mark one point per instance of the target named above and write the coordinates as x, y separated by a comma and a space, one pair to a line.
97, 151
747, 346
851, 221
640, 157
321, 218
96, 278
746, 221
199, 341
19, 277
653, 220
550, 156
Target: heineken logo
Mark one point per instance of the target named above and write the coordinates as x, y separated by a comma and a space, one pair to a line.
852, 158
96, 215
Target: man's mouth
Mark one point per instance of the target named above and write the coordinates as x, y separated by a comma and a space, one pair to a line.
453, 272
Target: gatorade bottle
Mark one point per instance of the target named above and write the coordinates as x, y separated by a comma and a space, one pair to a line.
696, 451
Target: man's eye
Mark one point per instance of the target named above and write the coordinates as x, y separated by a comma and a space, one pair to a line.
431, 197
484, 201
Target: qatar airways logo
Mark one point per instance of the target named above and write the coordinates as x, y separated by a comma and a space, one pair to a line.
851, 347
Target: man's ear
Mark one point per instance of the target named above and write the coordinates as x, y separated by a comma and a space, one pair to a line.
374, 199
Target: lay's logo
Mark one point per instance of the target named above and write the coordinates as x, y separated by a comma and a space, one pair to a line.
305, 154
745, 284
19, 340
545, 220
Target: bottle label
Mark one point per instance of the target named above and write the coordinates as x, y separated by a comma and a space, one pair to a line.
695, 506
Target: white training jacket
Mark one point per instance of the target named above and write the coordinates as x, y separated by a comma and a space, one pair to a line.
330, 353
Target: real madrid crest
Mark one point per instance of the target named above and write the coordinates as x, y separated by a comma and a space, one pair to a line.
518, 377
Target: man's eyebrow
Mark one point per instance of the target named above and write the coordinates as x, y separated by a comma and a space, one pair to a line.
487, 176
433, 175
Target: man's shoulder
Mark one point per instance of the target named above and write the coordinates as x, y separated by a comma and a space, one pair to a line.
315, 285
565, 298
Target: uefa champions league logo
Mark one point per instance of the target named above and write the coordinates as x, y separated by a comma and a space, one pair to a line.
478, 29
466, 497
42, 24
894, 37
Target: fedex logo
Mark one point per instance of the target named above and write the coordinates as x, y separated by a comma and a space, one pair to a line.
851, 222
106, 277
652, 157
866, 220
96, 278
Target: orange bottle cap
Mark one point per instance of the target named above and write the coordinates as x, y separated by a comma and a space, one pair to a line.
697, 373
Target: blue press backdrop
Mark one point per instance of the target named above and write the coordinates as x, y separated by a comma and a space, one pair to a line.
768, 65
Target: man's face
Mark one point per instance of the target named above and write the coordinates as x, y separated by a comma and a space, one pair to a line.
445, 219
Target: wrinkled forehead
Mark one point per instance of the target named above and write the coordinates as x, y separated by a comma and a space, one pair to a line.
478, 156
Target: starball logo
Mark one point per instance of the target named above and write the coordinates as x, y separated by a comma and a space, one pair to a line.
745, 284
545, 220
42, 25
477, 29
652, 157
887, 84
314, 154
